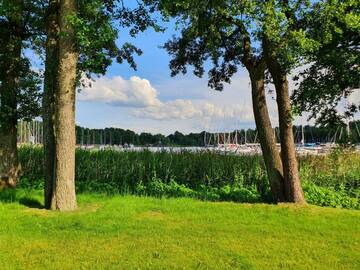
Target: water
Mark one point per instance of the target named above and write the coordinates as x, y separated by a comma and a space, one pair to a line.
244, 149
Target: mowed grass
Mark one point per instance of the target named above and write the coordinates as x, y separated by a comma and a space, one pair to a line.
127, 232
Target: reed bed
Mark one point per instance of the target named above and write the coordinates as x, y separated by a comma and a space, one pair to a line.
331, 180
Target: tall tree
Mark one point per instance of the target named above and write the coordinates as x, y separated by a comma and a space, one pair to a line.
221, 32
50, 86
10, 58
81, 40
18, 83
63, 196
283, 27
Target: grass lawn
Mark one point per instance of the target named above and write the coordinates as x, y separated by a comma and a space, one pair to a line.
148, 233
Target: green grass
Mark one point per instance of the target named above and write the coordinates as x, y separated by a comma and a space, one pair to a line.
146, 233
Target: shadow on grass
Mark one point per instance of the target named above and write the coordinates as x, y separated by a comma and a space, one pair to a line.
10, 196
31, 203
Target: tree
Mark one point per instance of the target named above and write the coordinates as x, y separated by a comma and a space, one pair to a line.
50, 85
222, 32
63, 195
327, 33
19, 85
11, 58
282, 30
81, 39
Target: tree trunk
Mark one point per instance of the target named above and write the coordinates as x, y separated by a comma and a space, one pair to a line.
293, 189
50, 86
9, 87
63, 197
271, 155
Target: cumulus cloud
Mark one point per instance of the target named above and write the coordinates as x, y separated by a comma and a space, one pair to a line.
116, 91
175, 109
139, 94
355, 96
181, 109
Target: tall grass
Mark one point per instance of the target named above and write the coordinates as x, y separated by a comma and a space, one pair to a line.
206, 175
339, 169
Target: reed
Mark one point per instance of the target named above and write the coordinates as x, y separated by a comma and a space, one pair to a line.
205, 175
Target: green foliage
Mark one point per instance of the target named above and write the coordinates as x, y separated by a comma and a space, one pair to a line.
284, 26
8, 195
340, 169
226, 34
28, 95
95, 36
332, 180
330, 197
20, 99
333, 69
159, 174
32, 167
211, 32
97, 26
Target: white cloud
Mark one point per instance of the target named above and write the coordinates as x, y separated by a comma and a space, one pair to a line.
116, 91
181, 109
176, 109
354, 96
143, 97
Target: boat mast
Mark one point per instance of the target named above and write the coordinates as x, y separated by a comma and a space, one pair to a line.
348, 131
302, 135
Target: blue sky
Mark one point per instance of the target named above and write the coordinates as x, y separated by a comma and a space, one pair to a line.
182, 103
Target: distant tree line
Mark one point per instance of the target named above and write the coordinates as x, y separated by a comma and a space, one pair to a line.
118, 136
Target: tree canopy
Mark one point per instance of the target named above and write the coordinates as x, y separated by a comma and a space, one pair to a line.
27, 92
333, 70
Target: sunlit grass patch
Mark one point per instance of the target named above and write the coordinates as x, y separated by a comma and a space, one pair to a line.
127, 232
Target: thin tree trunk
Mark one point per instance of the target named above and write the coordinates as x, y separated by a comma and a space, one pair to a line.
9, 165
271, 155
293, 187
50, 86
64, 197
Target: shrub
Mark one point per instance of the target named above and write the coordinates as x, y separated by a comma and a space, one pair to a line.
329, 197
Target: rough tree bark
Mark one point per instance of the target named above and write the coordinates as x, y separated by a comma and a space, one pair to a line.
293, 189
63, 197
9, 87
267, 139
256, 67
50, 86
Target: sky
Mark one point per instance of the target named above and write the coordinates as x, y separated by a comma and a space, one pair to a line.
150, 100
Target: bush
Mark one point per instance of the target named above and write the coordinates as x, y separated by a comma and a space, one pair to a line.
8, 195
329, 197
